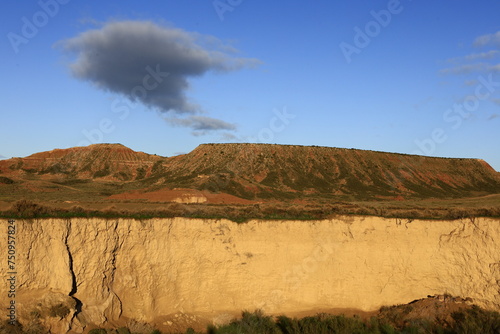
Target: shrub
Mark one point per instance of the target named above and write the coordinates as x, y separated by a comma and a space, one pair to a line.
122, 176
35, 327
59, 311
6, 180
29, 209
141, 173
250, 323
98, 331
123, 330
7, 328
287, 325
101, 173
476, 320
157, 167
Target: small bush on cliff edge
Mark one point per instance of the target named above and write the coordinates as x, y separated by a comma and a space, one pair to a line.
29, 209
59, 311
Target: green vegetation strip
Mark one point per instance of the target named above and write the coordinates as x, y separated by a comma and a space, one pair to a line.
474, 321
26, 209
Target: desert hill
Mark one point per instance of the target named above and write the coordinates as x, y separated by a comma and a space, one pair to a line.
251, 172
136, 239
111, 161
267, 171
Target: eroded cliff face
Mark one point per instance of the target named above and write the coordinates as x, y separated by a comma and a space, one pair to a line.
104, 271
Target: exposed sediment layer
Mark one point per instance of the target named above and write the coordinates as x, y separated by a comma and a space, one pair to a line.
106, 270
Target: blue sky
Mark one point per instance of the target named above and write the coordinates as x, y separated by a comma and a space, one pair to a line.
400, 76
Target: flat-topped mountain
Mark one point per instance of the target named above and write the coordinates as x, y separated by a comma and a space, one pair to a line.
264, 171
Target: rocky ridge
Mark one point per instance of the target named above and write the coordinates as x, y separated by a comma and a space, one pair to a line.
264, 171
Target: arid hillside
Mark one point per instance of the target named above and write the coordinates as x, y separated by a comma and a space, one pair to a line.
277, 171
109, 161
251, 172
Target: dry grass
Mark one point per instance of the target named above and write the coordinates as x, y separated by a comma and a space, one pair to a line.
241, 213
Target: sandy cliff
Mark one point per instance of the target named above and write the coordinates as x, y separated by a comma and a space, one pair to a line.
104, 271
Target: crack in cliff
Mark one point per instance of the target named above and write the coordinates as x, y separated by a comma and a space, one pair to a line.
348, 233
477, 229
171, 223
30, 243
74, 287
462, 232
447, 237
386, 283
113, 267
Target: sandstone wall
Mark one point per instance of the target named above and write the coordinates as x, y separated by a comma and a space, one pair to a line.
107, 270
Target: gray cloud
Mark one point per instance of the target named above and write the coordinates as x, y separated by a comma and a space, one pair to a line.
483, 55
471, 68
152, 64
494, 68
474, 56
489, 39
228, 136
201, 125
464, 69
471, 82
